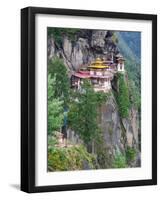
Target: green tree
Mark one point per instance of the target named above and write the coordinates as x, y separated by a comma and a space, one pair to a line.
130, 154
59, 33
119, 160
134, 95
58, 70
70, 158
123, 97
55, 108
84, 112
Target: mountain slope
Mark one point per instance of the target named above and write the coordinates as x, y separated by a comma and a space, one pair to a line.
129, 44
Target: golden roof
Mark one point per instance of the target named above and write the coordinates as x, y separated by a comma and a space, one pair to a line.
99, 64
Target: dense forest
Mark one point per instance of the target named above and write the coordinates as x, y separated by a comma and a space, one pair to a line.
89, 129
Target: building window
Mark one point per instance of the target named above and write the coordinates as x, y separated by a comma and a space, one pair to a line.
94, 81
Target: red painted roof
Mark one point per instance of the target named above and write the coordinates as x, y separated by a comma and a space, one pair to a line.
86, 74
80, 75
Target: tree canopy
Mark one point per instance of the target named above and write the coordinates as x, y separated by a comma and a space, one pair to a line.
83, 113
123, 97
58, 70
55, 108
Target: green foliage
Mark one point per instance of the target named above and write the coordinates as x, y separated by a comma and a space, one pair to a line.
102, 97
119, 160
130, 154
123, 160
104, 157
123, 97
70, 158
59, 33
52, 140
130, 46
55, 109
133, 70
58, 70
83, 112
134, 95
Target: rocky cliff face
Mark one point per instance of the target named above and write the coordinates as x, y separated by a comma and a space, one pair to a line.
118, 133
87, 46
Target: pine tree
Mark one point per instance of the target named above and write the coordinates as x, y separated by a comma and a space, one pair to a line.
55, 108
123, 97
58, 70
83, 115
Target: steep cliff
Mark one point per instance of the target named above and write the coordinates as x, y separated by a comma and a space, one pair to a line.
84, 48
119, 135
